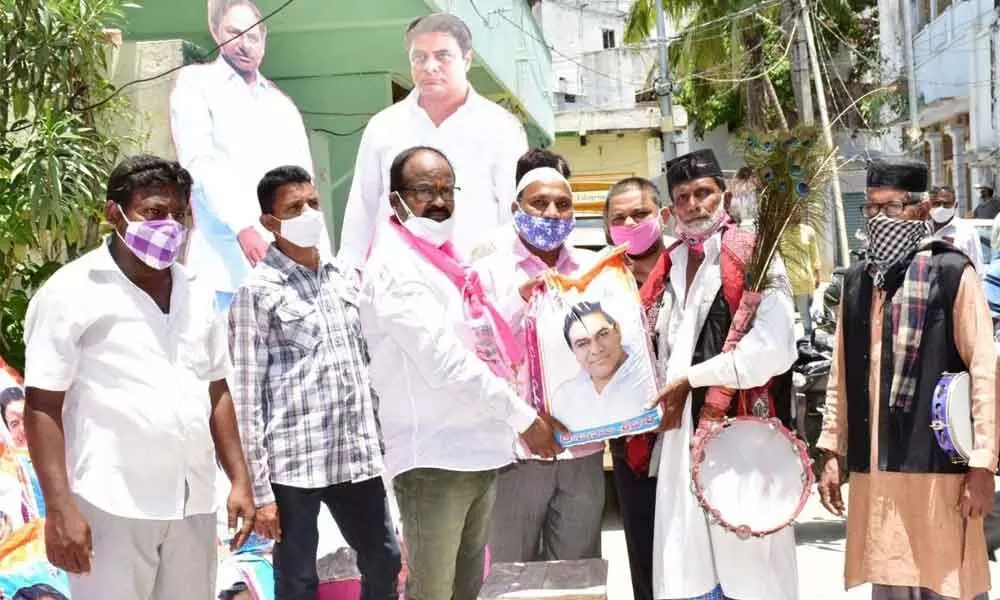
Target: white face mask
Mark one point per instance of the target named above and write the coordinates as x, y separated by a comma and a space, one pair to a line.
429, 230
942, 215
305, 230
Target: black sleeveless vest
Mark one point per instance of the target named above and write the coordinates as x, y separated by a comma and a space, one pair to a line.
710, 341
905, 440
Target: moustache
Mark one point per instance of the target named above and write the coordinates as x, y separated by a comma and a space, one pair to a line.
438, 214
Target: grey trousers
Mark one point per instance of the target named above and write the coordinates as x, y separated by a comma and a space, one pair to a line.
899, 592
548, 511
445, 517
138, 559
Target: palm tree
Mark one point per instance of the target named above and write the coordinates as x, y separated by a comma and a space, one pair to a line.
718, 53
740, 51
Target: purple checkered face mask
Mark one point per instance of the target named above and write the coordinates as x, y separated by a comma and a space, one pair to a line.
155, 243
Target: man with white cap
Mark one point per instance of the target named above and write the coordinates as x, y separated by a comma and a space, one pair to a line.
559, 503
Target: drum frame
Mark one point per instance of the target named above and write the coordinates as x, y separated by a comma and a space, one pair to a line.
742, 530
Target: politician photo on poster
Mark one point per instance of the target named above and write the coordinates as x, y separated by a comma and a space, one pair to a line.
230, 125
592, 357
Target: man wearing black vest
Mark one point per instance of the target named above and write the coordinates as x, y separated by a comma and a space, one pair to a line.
912, 312
691, 297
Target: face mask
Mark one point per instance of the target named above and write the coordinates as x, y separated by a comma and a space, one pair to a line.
305, 230
429, 230
695, 234
544, 233
640, 237
155, 243
942, 215
892, 240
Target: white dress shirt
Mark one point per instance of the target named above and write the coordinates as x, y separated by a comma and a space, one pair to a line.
959, 233
481, 139
137, 409
441, 406
228, 134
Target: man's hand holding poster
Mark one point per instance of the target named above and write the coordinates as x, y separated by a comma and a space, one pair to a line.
589, 359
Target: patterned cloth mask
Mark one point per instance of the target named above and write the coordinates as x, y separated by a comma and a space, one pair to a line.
890, 241
156, 243
544, 233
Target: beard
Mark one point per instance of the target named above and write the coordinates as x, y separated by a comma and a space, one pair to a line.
702, 223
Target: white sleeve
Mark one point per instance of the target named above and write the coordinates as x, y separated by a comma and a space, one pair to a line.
767, 350
409, 314
229, 197
51, 340
361, 211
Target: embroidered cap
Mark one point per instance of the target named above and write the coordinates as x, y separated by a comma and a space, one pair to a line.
906, 176
694, 165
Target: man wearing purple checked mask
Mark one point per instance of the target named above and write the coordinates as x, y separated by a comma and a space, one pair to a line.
127, 405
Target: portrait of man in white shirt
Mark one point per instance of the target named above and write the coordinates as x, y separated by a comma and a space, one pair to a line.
443, 111
230, 125
605, 390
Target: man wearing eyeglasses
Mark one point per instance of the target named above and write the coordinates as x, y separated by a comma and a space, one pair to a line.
912, 311
951, 228
444, 363
482, 139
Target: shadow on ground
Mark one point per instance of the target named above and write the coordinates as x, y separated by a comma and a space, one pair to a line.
821, 533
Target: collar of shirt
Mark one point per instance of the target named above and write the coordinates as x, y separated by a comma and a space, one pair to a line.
566, 264
280, 267
467, 107
230, 74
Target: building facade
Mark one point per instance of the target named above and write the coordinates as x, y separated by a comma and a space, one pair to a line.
955, 58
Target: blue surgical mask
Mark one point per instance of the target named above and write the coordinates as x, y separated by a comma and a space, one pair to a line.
544, 233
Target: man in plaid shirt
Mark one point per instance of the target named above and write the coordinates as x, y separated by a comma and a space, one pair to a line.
306, 407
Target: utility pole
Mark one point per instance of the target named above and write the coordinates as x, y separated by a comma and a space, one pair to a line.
807, 115
824, 116
913, 131
664, 88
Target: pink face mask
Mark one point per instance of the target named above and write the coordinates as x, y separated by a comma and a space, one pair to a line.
640, 237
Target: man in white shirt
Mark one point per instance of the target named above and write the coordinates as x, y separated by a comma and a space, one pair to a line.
693, 557
544, 510
230, 126
442, 362
950, 227
444, 112
127, 404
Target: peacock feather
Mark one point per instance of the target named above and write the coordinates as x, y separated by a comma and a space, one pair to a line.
793, 169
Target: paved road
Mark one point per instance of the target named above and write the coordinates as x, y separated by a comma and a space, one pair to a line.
820, 539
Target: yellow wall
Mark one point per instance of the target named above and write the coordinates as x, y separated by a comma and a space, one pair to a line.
621, 154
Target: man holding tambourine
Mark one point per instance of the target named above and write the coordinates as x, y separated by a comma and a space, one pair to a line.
913, 409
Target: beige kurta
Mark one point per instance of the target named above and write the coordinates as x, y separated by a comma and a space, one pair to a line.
905, 529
